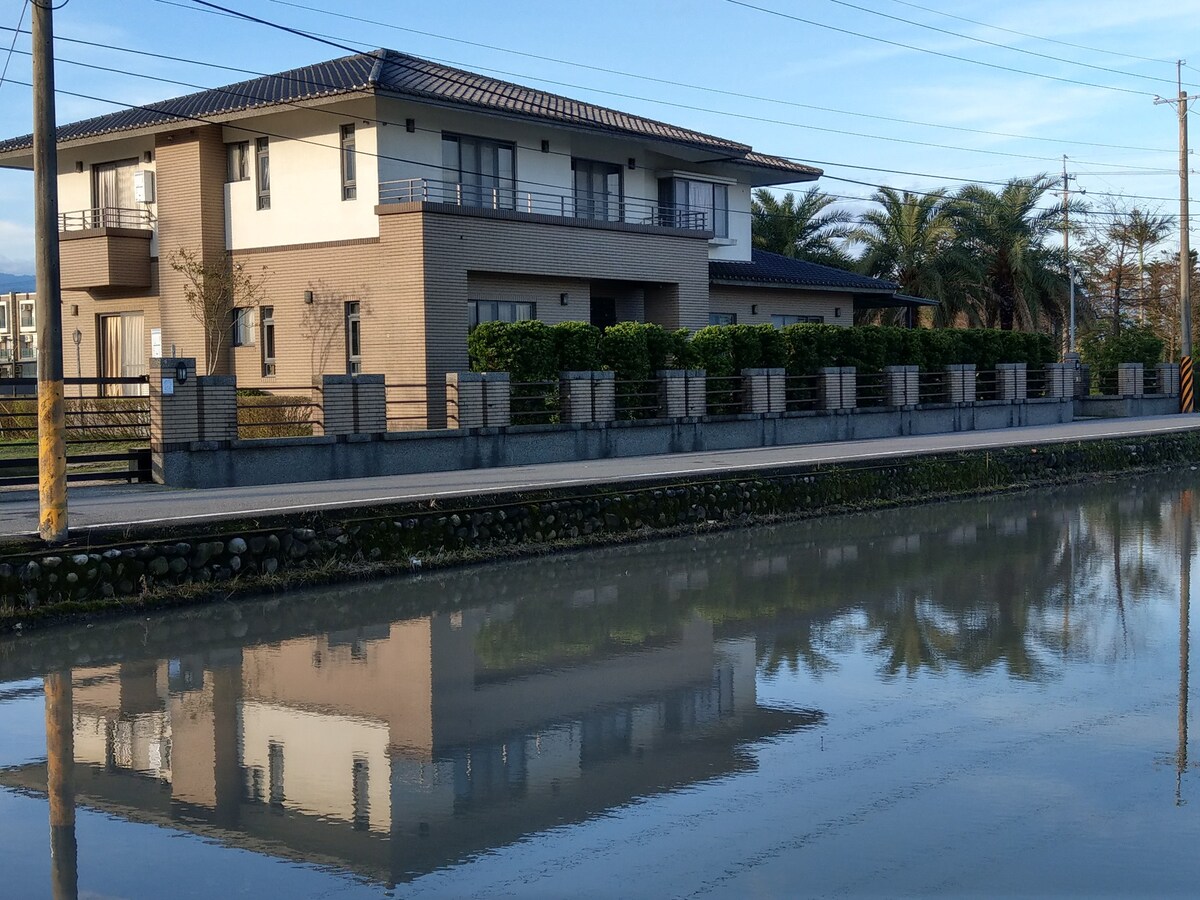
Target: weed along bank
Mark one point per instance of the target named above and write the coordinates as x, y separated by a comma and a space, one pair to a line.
197, 564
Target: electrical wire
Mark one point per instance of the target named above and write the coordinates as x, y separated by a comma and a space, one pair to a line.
953, 56
13, 45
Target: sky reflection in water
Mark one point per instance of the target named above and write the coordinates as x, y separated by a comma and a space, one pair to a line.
984, 697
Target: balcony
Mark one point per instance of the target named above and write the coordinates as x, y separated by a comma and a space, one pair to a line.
595, 211
105, 248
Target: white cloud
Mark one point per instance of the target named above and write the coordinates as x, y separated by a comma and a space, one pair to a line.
16, 248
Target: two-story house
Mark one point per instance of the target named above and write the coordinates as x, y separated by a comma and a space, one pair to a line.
390, 203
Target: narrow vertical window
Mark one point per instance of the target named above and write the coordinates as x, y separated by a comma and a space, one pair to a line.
262, 166
353, 339
267, 320
239, 162
244, 320
349, 169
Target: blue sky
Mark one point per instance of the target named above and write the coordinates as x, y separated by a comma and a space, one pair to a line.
717, 66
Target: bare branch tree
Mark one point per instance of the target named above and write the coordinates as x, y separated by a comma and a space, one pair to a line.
212, 291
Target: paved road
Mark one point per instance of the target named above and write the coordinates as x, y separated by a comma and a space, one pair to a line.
121, 505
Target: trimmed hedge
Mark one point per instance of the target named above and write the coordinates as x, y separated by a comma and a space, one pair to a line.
535, 351
1102, 351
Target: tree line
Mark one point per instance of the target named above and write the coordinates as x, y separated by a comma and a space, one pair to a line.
991, 256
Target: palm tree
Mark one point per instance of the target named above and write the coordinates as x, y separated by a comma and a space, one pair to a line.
1023, 281
801, 227
911, 240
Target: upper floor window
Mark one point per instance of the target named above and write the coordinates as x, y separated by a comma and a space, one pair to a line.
27, 316
499, 311
349, 170
597, 190
262, 167
720, 318
353, 339
480, 172
689, 203
782, 321
3, 317
238, 162
244, 326
267, 326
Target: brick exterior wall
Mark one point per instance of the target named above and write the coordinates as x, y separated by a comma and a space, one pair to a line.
105, 258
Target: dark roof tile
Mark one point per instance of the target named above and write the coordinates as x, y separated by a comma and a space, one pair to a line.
774, 269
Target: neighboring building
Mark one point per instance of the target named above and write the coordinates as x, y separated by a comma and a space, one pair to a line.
392, 202
18, 335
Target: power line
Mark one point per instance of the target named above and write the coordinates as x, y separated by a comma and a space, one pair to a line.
13, 45
1036, 37
966, 59
997, 44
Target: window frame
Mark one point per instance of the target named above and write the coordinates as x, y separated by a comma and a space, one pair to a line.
262, 172
586, 207
237, 162
715, 317
352, 321
473, 320
781, 320
349, 162
266, 328
4, 327
30, 305
506, 194
244, 326
675, 192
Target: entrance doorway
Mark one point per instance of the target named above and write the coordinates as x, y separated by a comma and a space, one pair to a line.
122, 352
604, 311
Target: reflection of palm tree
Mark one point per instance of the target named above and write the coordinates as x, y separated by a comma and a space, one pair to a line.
911, 637
793, 647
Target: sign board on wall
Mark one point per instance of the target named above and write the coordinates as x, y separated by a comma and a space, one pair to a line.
156, 343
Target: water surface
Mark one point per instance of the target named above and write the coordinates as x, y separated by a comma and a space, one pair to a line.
987, 697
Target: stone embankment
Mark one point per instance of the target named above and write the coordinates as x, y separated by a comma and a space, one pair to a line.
231, 558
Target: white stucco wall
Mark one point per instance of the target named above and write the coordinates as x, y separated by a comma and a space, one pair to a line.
306, 179
75, 191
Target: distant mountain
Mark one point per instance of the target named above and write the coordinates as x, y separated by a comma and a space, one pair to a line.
18, 283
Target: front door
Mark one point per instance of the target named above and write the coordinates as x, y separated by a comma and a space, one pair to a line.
122, 352
604, 312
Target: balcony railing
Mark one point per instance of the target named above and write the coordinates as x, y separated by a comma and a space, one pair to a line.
105, 217
566, 206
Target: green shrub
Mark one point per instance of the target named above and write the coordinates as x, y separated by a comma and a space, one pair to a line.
263, 415
526, 350
577, 347
1103, 350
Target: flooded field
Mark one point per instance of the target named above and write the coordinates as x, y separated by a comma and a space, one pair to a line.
987, 697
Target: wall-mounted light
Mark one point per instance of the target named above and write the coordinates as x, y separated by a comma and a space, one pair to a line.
754, 309
181, 373
75, 309
79, 165
308, 297
632, 163
545, 146
410, 125
562, 299
837, 312
148, 156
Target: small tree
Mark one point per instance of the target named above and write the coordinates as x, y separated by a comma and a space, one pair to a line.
212, 290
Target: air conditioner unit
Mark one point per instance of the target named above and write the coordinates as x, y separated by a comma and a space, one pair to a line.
143, 186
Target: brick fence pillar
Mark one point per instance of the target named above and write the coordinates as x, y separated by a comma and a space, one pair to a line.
1012, 381
682, 393
478, 400
217, 408
763, 391
351, 404
1060, 381
1131, 380
588, 396
960, 379
902, 386
838, 387
1168, 378
174, 410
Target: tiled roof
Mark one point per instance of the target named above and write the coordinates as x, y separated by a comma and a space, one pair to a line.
398, 74
772, 268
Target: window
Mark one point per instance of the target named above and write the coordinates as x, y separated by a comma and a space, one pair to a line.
782, 321
262, 166
3, 317
267, 320
499, 311
244, 322
695, 204
353, 339
238, 168
27, 315
722, 318
597, 190
349, 183
481, 172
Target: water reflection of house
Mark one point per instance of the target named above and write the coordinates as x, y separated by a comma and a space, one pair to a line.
393, 749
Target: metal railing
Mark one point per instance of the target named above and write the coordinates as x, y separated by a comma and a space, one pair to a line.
725, 395
564, 205
637, 399
872, 389
283, 412
933, 387
802, 392
105, 217
535, 402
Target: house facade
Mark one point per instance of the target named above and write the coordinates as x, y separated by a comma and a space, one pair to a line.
387, 204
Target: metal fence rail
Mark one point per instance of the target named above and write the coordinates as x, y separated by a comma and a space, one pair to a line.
282, 412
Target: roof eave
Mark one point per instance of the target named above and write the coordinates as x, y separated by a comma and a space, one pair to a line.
792, 285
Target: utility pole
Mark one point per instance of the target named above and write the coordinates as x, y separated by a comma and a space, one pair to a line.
1066, 208
1187, 402
52, 446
